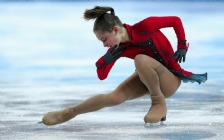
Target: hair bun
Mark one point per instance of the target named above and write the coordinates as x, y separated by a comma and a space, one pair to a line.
112, 12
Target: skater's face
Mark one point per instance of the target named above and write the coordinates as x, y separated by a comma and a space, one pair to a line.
109, 39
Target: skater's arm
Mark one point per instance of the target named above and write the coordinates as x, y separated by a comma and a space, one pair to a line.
156, 23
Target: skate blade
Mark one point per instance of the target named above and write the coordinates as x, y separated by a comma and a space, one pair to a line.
154, 125
40, 122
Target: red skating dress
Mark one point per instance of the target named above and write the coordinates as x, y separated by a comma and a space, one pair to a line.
146, 38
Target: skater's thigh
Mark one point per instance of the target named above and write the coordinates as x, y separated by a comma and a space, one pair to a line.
131, 88
169, 83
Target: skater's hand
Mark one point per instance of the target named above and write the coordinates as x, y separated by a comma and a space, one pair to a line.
113, 54
179, 55
182, 47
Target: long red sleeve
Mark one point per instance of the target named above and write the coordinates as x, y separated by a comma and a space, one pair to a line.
156, 23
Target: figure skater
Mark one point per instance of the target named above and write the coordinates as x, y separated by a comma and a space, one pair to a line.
158, 73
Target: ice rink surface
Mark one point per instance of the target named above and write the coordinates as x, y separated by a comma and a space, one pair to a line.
47, 62
191, 115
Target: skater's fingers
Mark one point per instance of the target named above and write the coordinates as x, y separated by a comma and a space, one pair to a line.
112, 49
184, 57
180, 59
177, 57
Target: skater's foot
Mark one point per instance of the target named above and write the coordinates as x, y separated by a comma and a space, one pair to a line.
157, 111
57, 117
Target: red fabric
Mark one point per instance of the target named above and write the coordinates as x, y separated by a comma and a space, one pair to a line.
144, 30
104, 70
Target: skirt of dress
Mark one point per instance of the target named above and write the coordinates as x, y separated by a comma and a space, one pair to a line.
200, 78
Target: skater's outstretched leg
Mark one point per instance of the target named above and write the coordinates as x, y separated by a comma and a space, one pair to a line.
160, 82
56, 117
131, 88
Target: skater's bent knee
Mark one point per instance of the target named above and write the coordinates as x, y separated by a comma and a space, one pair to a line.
140, 60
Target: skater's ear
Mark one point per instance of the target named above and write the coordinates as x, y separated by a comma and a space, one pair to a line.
116, 29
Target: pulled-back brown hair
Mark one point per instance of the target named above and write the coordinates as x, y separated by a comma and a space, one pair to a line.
104, 21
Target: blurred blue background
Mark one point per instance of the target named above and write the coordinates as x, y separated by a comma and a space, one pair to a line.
50, 42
